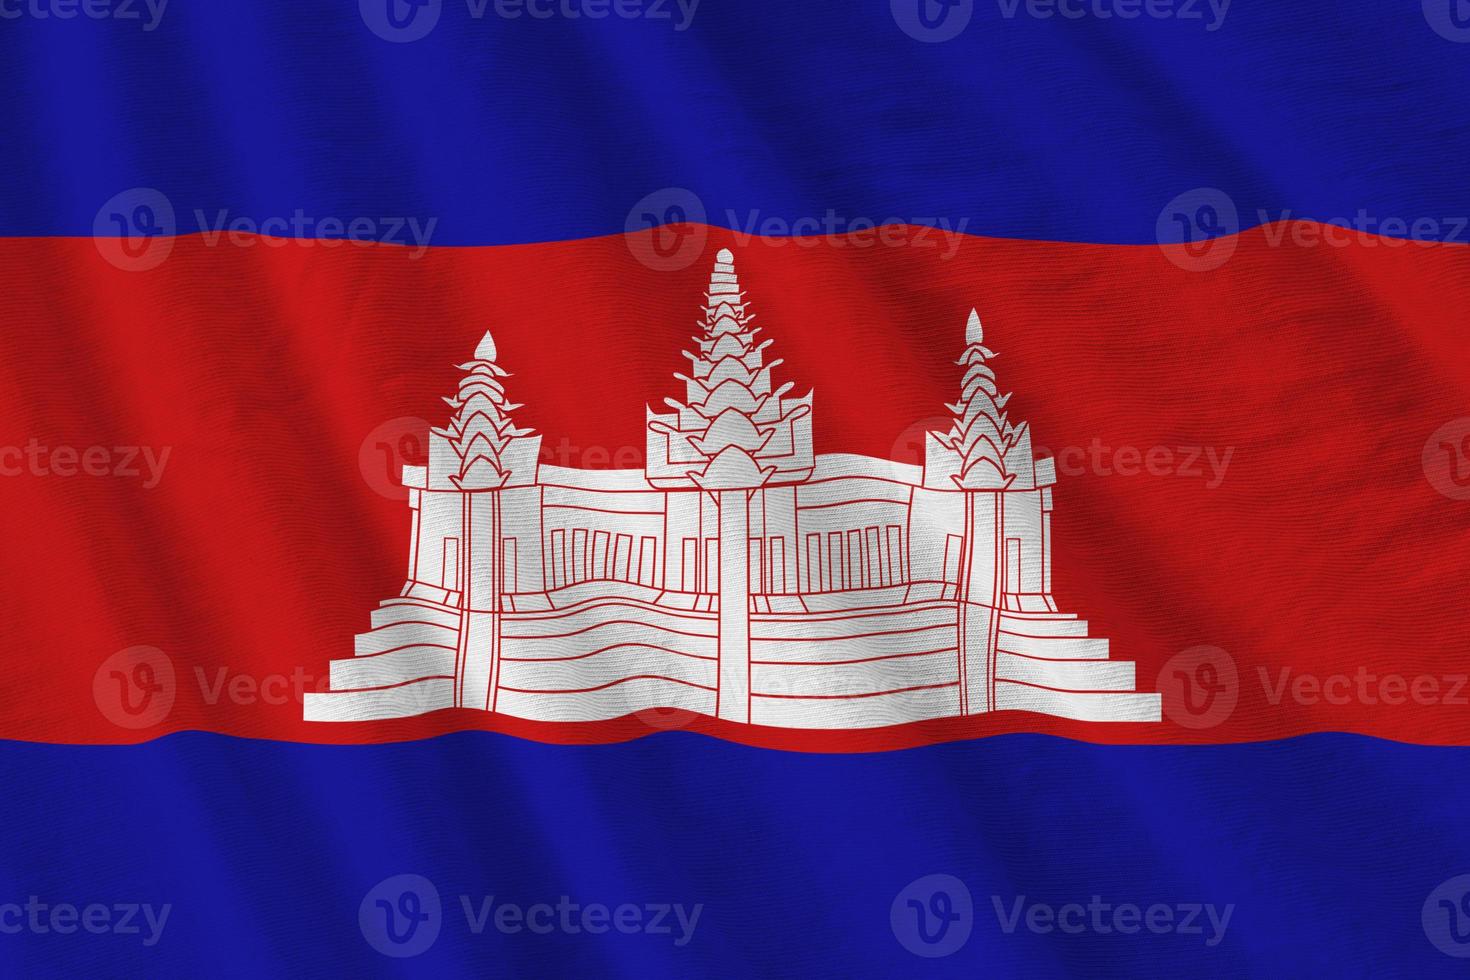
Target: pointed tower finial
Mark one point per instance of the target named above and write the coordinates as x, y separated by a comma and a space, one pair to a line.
486, 350
724, 293
974, 333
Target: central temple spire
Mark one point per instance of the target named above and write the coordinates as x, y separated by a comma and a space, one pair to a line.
732, 430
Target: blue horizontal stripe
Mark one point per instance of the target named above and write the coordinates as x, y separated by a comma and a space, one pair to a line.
1324, 848
777, 116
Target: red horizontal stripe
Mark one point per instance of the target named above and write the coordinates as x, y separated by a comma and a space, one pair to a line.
273, 374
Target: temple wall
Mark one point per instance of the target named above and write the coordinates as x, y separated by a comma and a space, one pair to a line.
682, 514
844, 533
874, 656
1023, 545
588, 535
858, 545
482, 587
441, 520
521, 547
982, 573
936, 521
773, 525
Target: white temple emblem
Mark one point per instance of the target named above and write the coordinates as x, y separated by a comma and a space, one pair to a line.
736, 575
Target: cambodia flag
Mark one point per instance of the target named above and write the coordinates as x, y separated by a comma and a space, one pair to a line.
685, 488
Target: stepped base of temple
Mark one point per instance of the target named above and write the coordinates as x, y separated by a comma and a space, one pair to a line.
842, 660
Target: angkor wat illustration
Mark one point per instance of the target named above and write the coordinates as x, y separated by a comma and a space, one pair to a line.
737, 575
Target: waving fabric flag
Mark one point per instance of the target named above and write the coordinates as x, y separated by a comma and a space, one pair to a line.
677, 489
